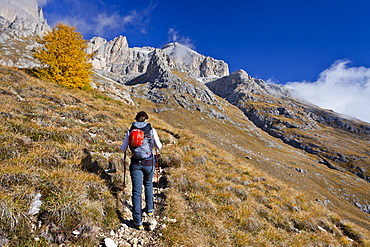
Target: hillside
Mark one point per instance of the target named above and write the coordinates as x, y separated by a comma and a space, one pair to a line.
244, 162
58, 142
340, 143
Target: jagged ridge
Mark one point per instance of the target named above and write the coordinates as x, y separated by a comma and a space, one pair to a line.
274, 109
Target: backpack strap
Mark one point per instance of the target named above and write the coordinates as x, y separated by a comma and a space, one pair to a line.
147, 128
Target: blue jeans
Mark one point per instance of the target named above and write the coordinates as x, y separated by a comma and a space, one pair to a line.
142, 174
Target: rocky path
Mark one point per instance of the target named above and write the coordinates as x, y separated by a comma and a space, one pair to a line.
127, 235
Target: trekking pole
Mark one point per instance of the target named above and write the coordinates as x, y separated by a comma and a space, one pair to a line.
124, 173
157, 170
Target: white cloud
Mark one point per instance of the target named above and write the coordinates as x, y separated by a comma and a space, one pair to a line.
139, 19
104, 21
98, 19
340, 88
174, 36
82, 25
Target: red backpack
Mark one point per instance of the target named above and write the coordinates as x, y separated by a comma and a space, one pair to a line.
140, 141
136, 138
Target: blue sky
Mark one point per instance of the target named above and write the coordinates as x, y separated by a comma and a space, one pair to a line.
279, 41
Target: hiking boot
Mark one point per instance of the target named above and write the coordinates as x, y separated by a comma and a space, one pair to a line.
140, 227
150, 213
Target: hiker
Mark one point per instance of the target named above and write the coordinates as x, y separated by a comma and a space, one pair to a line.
142, 165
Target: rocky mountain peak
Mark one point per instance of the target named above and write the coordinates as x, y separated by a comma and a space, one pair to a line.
114, 48
21, 21
198, 65
158, 69
237, 77
242, 73
240, 84
176, 45
21, 18
164, 83
114, 51
116, 57
230, 87
22, 8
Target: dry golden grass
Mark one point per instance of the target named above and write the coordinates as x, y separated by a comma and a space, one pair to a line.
56, 141
44, 131
293, 218
224, 202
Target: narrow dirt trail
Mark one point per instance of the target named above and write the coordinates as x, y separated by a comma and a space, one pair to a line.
127, 235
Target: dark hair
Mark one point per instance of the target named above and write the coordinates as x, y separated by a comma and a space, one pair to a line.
141, 116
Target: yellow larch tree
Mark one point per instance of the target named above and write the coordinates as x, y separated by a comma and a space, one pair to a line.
64, 58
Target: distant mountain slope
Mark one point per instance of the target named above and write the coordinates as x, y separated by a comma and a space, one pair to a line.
343, 144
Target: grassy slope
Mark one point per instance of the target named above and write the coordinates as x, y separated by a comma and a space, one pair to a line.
340, 190
218, 197
268, 154
57, 141
218, 190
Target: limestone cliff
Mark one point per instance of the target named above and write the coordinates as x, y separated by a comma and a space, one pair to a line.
198, 65
21, 18
20, 22
115, 56
163, 84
